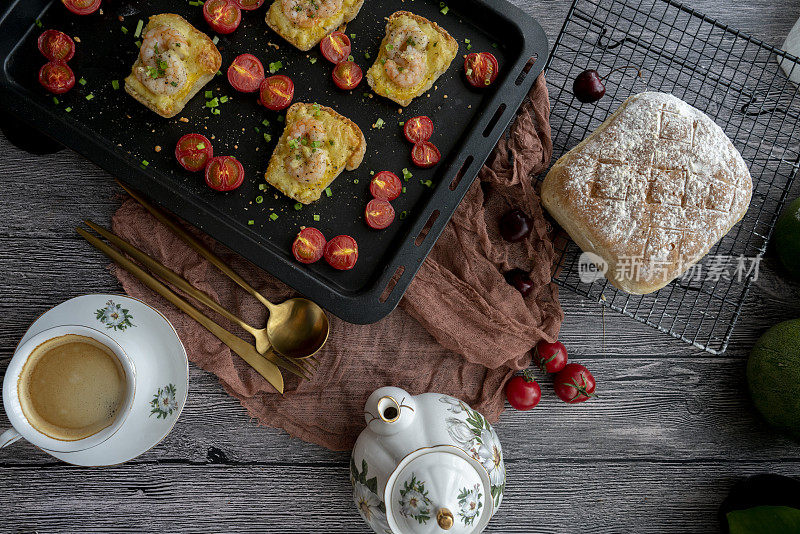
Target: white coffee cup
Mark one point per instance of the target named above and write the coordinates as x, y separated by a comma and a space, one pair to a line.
22, 428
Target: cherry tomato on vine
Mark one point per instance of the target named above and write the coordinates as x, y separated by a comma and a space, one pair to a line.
550, 357
523, 392
574, 383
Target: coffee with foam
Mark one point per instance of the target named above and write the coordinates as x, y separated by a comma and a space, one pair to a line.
71, 387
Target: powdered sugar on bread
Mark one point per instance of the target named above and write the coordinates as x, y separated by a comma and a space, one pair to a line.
651, 190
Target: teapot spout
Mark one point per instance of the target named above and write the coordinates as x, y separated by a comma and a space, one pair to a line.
389, 410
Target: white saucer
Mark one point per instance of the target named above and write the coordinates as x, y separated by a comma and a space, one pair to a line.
162, 371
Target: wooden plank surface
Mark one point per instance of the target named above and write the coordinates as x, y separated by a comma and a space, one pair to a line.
657, 452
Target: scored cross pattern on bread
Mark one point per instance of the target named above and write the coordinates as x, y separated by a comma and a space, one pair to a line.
658, 183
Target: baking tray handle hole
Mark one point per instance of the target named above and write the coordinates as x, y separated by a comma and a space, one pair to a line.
526, 69
461, 172
392, 282
496, 117
427, 228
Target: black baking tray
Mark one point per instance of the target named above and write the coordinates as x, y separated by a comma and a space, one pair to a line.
119, 134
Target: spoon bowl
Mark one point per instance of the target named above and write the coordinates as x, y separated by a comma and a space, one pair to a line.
297, 328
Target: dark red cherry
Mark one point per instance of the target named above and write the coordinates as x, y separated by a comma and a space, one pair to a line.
515, 225
588, 86
520, 280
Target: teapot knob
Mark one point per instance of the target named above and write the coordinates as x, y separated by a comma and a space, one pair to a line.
389, 410
444, 518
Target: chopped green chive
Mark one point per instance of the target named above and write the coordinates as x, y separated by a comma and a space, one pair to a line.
265, 122
426, 183
469, 72
350, 58
214, 102
215, 40
251, 222
404, 189
209, 94
372, 173
316, 218
215, 111
259, 199
312, 60
115, 84
403, 215
82, 81
139, 26
138, 44
401, 123
257, 129
124, 29
262, 187
223, 99
55, 101
89, 96
444, 10
145, 163
328, 191
273, 216
38, 23
494, 45
355, 180
275, 66
406, 174
267, 137
379, 123
330, 142
366, 55
280, 118
298, 207
352, 36
200, 146
68, 109
218, 73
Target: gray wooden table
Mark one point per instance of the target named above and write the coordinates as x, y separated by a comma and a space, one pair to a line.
658, 452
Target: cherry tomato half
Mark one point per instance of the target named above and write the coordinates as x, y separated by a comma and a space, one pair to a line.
249, 5
481, 68
224, 173
335, 47
309, 245
246, 73
56, 77
574, 383
418, 129
550, 357
385, 186
223, 16
523, 392
276, 92
379, 214
425, 154
347, 75
56, 45
341, 252
193, 151
82, 7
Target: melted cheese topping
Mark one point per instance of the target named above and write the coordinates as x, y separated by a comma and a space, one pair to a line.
306, 38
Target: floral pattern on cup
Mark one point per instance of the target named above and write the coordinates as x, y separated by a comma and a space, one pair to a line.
114, 316
470, 502
472, 433
414, 501
365, 494
164, 402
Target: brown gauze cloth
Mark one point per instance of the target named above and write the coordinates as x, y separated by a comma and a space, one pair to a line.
484, 327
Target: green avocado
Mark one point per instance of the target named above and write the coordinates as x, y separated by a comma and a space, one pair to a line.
787, 238
773, 376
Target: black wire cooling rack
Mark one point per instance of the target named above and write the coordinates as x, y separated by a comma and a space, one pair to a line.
729, 75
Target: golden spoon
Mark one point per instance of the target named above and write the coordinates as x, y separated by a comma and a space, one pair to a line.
296, 328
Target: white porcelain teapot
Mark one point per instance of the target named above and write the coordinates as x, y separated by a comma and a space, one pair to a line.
426, 464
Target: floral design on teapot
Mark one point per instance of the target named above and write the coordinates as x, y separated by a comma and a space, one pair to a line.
470, 503
365, 494
414, 500
476, 436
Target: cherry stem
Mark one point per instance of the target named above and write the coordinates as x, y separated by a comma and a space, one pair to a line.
639, 72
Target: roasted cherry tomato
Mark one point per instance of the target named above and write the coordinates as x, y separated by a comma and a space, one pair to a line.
418, 129
481, 68
379, 214
550, 357
276, 92
335, 47
249, 5
425, 154
309, 245
82, 7
56, 77
224, 173
193, 152
223, 16
523, 392
347, 75
56, 45
246, 73
574, 383
341, 252
385, 186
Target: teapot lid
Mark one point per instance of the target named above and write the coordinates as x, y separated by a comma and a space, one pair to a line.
438, 490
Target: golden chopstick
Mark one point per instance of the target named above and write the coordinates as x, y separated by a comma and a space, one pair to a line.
246, 351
